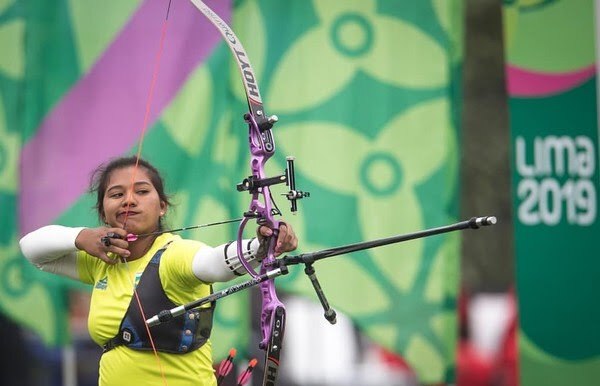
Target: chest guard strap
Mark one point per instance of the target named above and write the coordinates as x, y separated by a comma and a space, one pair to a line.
179, 336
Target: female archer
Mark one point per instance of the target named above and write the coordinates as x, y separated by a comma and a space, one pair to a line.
133, 280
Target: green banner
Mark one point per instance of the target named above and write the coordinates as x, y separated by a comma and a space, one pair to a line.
552, 85
367, 93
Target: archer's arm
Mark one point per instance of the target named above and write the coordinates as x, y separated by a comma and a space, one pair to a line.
52, 249
221, 263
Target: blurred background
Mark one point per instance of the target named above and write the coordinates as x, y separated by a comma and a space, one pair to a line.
402, 116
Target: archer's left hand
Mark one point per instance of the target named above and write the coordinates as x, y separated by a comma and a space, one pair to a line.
286, 239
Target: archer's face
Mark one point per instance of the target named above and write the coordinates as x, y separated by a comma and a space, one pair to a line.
136, 206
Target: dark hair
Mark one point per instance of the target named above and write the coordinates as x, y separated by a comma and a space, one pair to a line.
100, 176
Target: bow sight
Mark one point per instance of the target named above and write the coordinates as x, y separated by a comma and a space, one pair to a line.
253, 184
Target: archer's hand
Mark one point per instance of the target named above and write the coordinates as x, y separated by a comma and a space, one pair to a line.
90, 240
286, 239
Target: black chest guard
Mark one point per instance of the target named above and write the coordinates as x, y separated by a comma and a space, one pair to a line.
179, 336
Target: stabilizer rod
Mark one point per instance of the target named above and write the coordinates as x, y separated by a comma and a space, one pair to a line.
311, 257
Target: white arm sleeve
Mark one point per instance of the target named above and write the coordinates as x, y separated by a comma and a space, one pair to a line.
52, 249
221, 263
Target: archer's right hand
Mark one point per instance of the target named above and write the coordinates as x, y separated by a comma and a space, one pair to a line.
101, 241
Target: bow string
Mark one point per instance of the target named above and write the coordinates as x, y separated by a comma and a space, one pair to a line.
261, 207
